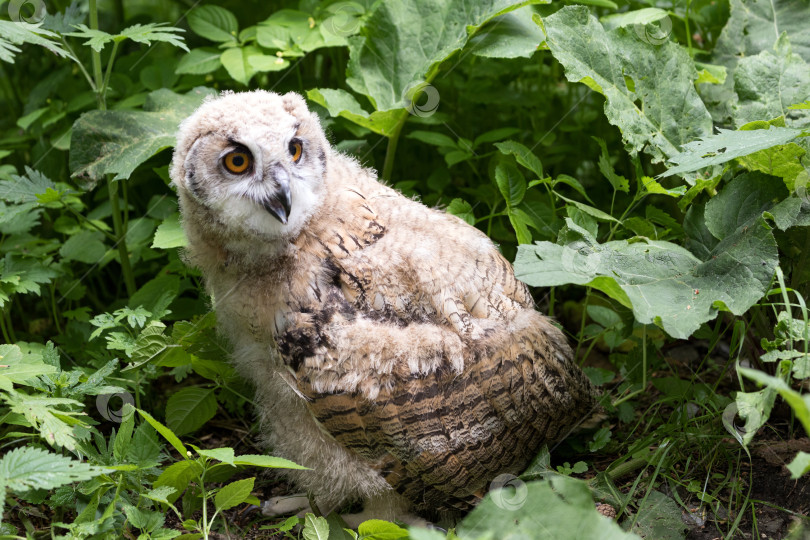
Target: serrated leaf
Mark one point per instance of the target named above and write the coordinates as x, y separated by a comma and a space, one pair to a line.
663, 75
14, 33
189, 409
18, 368
233, 494
213, 22
86, 246
116, 142
33, 468
510, 182
224, 455
462, 209
170, 234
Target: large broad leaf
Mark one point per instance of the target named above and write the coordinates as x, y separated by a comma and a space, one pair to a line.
727, 145
116, 142
731, 258
770, 82
342, 103
628, 70
561, 508
509, 36
404, 42
753, 27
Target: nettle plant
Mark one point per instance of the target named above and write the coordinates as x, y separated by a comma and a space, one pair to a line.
659, 194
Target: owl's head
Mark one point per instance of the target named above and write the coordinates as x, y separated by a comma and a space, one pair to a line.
254, 160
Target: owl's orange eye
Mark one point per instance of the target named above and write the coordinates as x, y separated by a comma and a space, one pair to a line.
237, 161
296, 148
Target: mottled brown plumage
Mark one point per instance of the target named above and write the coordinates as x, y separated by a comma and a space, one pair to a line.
393, 350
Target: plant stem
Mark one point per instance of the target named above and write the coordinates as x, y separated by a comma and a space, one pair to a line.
121, 234
393, 139
112, 186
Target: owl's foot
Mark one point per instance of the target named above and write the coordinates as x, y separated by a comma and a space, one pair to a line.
285, 505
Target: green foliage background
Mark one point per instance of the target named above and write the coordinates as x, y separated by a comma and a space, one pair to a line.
645, 164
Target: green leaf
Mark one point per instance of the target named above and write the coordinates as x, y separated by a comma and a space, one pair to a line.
641, 17
170, 234
18, 368
664, 283
433, 138
798, 402
619, 183
462, 209
233, 494
741, 203
520, 222
269, 462
199, 61
166, 432
213, 22
315, 528
511, 35
659, 517
753, 27
544, 509
523, 155
28, 468
403, 43
266, 62
224, 455
343, 104
236, 62
116, 142
189, 409
378, 529
727, 145
800, 465
87, 247
770, 82
140, 33
14, 33
670, 112
510, 182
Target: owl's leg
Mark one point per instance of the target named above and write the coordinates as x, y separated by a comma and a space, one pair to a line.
287, 504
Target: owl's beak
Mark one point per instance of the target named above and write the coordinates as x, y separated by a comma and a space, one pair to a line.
280, 203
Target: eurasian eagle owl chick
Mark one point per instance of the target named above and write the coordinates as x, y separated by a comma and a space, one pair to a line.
393, 350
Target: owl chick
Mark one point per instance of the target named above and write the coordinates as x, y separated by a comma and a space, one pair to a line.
393, 351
